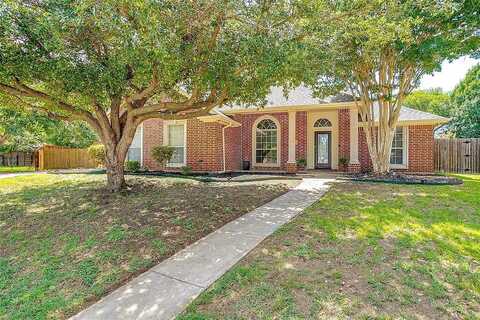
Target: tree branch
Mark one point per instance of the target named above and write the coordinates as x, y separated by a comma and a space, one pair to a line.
21, 90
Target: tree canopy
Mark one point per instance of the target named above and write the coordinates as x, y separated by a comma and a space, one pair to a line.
466, 102
378, 50
117, 63
23, 131
430, 100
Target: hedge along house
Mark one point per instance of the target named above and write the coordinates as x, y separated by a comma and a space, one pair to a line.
276, 136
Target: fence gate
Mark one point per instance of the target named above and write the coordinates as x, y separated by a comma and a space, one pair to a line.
457, 155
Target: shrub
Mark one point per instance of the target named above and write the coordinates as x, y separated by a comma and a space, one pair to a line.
302, 163
186, 170
162, 154
97, 152
132, 166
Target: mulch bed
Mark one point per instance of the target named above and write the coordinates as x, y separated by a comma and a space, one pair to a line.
402, 178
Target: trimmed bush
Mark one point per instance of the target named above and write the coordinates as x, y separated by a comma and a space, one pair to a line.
132, 166
186, 170
97, 152
162, 154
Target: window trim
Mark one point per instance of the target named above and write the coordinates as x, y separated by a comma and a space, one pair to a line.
322, 127
254, 142
166, 138
140, 127
404, 165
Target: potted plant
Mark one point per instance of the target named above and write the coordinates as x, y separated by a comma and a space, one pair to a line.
343, 163
301, 164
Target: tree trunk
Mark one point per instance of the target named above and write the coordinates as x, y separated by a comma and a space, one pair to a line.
115, 178
115, 171
379, 149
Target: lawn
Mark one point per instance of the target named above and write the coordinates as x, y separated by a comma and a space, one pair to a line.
364, 251
65, 242
16, 169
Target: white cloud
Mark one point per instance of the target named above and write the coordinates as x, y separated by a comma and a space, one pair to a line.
450, 75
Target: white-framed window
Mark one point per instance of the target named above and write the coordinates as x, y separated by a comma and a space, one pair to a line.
398, 155
176, 139
136, 148
266, 142
322, 123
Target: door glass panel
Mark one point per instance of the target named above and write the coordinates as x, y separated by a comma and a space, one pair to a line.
322, 149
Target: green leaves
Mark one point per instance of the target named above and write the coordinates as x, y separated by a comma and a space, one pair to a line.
27, 131
349, 36
80, 50
434, 101
466, 101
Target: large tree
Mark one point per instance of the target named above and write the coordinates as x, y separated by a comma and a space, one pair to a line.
26, 131
466, 105
115, 64
378, 50
430, 100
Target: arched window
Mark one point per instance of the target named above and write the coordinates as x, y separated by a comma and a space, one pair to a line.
322, 123
266, 142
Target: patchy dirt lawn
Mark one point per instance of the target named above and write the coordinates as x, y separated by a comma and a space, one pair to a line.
364, 251
65, 242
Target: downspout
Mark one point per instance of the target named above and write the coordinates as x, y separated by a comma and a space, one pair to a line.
223, 141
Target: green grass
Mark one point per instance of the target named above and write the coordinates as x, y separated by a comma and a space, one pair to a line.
364, 251
65, 241
16, 169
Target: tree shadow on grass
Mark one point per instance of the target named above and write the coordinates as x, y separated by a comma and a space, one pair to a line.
66, 243
364, 251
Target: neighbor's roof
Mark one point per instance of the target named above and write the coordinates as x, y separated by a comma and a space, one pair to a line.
303, 97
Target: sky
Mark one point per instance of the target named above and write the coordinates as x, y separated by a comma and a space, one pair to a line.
450, 75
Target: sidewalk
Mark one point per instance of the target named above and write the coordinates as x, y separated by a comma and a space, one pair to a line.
164, 291
11, 175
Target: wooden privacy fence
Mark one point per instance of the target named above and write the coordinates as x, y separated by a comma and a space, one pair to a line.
54, 157
457, 155
17, 159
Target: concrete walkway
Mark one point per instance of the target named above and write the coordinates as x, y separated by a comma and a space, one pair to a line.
164, 291
18, 174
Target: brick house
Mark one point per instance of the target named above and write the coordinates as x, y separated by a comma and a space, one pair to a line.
323, 134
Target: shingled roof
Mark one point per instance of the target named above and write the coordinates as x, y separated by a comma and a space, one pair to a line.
303, 96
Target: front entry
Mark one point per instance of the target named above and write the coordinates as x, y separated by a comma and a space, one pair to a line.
323, 150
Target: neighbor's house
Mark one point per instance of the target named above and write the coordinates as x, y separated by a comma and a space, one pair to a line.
282, 132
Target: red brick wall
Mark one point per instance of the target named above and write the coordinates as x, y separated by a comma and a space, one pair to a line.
420, 149
233, 153
152, 137
344, 133
204, 146
205, 143
363, 155
247, 121
301, 135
